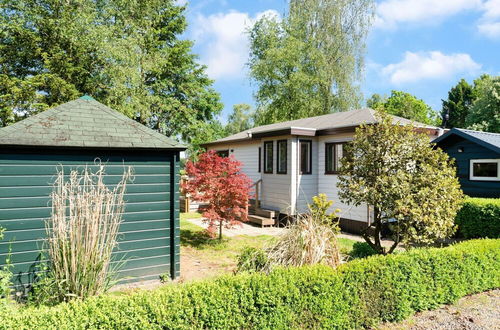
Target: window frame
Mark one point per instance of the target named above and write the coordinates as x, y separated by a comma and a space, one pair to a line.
259, 170
335, 170
483, 178
224, 153
278, 154
300, 157
265, 157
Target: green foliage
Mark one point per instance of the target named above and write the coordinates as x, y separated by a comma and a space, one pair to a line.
484, 114
358, 294
361, 250
310, 62
397, 171
126, 54
241, 119
252, 260
5, 276
404, 105
479, 217
320, 211
458, 104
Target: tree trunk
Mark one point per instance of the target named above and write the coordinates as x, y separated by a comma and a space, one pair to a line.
376, 244
220, 230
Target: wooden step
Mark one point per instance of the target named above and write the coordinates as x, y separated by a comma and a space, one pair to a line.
265, 213
262, 221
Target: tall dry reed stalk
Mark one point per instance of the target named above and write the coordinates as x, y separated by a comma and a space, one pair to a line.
82, 231
308, 241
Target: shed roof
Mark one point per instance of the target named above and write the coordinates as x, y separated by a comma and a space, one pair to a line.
84, 122
486, 139
336, 120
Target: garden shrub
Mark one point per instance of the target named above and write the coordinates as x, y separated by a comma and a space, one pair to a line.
479, 218
360, 293
252, 260
5, 276
361, 250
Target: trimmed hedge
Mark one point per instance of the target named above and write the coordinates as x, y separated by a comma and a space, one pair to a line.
479, 218
358, 294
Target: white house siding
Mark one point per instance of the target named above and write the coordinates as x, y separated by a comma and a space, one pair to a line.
277, 188
327, 183
307, 184
247, 153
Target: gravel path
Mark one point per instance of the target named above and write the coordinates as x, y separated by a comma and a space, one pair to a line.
480, 311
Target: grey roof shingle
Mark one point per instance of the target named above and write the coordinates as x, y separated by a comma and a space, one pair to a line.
330, 121
488, 140
84, 122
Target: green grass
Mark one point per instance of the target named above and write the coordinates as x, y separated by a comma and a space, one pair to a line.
197, 242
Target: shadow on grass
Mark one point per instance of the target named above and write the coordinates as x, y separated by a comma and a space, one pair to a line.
200, 239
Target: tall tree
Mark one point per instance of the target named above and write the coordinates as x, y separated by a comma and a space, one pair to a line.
242, 118
411, 185
126, 54
310, 62
458, 104
404, 105
484, 114
376, 101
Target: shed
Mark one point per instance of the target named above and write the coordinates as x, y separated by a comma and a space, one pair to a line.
477, 156
73, 135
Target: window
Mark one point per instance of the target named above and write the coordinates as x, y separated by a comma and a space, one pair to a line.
305, 156
268, 157
485, 169
333, 153
260, 159
223, 153
282, 155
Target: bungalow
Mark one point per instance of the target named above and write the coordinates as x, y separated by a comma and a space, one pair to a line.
292, 161
477, 156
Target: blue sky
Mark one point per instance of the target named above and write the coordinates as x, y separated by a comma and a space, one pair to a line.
419, 46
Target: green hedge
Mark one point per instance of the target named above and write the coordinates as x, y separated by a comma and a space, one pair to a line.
358, 294
479, 218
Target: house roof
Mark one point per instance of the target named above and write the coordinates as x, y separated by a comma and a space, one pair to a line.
314, 125
485, 139
84, 122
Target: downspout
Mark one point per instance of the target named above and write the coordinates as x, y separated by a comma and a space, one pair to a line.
297, 171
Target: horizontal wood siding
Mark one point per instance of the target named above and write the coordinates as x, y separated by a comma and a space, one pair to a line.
247, 154
146, 234
307, 184
327, 183
276, 188
472, 150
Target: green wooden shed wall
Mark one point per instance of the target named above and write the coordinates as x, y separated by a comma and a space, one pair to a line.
149, 235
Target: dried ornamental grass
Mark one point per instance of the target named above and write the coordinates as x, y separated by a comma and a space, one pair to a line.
82, 231
307, 242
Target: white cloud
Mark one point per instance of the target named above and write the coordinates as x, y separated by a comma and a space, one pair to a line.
489, 23
390, 13
224, 40
429, 65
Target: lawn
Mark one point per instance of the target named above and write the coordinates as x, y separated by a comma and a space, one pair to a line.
203, 256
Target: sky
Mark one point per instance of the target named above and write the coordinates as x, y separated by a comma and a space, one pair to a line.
423, 47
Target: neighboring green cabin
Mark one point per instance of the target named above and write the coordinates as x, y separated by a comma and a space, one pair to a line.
70, 136
477, 157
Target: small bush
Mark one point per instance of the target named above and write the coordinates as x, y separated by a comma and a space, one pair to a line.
479, 218
358, 294
5, 276
251, 260
361, 250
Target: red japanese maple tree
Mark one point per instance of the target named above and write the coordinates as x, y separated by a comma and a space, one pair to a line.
220, 182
